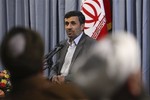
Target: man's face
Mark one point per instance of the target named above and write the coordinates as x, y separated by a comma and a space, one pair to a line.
73, 27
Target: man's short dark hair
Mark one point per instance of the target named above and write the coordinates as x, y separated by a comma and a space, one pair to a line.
76, 13
25, 63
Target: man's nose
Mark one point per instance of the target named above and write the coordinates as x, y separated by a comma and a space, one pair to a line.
69, 26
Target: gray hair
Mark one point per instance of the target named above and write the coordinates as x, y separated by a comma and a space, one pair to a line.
109, 64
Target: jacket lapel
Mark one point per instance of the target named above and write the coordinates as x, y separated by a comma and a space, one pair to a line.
79, 49
63, 54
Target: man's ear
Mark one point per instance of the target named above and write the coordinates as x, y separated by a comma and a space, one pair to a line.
82, 26
134, 84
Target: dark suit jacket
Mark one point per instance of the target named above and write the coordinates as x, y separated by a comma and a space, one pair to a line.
82, 48
38, 88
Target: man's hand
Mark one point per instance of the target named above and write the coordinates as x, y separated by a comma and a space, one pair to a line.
61, 79
58, 79
54, 79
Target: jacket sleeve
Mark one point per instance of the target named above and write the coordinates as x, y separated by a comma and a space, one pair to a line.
54, 70
56, 67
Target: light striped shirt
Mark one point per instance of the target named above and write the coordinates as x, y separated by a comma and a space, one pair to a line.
69, 55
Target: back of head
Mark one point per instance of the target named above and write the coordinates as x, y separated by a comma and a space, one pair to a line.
76, 13
108, 65
22, 52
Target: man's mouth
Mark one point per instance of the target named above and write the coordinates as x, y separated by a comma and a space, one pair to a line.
69, 32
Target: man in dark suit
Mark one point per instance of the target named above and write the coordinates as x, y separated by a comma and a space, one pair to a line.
76, 45
22, 53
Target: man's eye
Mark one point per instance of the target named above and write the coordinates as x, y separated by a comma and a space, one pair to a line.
73, 23
66, 23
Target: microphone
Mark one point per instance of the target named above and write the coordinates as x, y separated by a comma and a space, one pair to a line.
54, 51
49, 56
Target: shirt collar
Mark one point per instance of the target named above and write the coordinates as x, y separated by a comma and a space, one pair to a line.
76, 40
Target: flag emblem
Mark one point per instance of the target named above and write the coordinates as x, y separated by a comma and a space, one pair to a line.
95, 18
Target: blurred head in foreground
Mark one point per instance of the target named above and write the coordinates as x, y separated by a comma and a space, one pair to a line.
112, 68
22, 52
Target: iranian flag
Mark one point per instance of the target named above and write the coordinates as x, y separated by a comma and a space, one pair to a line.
95, 24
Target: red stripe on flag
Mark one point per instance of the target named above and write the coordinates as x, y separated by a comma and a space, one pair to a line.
103, 32
101, 29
